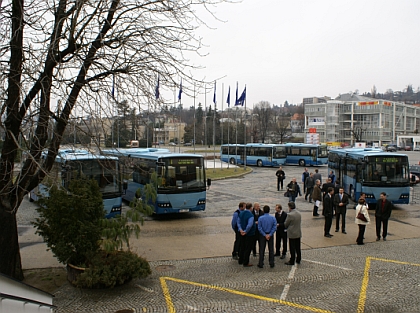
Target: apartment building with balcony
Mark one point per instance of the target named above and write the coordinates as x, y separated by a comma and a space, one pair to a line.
351, 117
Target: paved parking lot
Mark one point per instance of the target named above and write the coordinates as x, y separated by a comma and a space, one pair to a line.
192, 270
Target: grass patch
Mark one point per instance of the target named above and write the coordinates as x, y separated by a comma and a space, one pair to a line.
226, 172
203, 151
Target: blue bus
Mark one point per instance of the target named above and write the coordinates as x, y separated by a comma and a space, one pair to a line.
181, 178
71, 163
258, 154
372, 171
304, 154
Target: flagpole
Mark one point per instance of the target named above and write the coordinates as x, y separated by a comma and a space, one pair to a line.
214, 128
221, 126
236, 127
228, 102
205, 116
245, 133
194, 119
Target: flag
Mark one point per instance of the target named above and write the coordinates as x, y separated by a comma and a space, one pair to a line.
242, 98
214, 94
113, 87
228, 98
180, 91
236, 101
157, 89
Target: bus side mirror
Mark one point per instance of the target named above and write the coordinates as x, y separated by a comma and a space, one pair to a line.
208, 183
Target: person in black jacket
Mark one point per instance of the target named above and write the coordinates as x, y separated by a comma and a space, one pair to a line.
257, 212
382, 215
327, 211
281, 175
281, 234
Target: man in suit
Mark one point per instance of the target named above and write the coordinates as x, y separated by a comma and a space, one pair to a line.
281, 175
382, 215
246, 227
341, 200
281, 233
294, 232
327, 211
257, 212
266, 228
234, 223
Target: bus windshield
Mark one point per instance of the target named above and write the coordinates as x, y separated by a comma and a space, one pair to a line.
182, 175
103, 171
389, 169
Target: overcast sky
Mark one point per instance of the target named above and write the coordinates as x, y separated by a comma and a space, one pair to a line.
288, 50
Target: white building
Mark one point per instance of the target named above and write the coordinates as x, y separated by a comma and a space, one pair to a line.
350, 117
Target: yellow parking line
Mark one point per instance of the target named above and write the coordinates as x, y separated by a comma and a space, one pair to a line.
166, 294
365, 281
171, 308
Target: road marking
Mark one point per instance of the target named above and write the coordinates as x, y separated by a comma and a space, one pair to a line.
171, 308
287, 286
365, 281
327, 264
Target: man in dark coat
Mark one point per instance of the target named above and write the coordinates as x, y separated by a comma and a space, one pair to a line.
382, 215
281, 175
257, 212
341, 200
246, 227
327, 211
281, 233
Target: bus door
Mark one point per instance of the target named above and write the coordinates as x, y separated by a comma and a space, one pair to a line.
314, 153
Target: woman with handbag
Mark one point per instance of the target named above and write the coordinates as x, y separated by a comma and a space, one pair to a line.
362, 219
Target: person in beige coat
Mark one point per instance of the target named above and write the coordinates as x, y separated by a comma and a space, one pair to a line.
362, 208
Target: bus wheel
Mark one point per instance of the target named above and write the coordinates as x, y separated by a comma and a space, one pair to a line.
259, 163
302, 162
232, 161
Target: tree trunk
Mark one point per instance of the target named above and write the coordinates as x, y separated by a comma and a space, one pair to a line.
9, 246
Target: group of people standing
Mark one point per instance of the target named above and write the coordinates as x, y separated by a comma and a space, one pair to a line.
251, 225
335, 201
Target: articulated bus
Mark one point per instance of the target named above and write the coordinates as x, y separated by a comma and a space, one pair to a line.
70, 164
259, 154
181, 177
372, 171
305, 154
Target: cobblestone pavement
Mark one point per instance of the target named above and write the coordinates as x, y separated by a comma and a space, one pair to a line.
377, 277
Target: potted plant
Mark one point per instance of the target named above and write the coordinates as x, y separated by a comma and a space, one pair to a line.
96, 250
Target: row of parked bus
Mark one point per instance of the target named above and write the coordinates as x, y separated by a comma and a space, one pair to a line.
181, 177
181, 184
359, 170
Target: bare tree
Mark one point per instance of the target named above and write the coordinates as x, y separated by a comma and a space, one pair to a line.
282, 128
83, 54
358, 133
263, 114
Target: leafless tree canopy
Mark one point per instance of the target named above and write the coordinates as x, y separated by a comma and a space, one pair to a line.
60, 59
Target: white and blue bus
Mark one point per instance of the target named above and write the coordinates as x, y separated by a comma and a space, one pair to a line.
372, 171
70, 164
181, 178
304, 154
258, 154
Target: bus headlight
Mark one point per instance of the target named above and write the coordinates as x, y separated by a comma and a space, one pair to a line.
405, 196
164, 205
201, 202
114, 210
